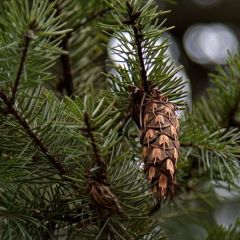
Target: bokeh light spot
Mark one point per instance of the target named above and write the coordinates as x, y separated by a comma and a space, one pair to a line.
209, 44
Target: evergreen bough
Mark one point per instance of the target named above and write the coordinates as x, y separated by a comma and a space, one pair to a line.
70, 162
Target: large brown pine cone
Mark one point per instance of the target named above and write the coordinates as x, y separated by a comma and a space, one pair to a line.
160, 144
159, 126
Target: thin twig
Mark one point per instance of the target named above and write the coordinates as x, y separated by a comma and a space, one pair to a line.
36, 139
96, 152
27, 40
67, 81
66, 67
138, 36
65, 58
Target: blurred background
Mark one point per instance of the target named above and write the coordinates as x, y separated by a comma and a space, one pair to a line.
205, 31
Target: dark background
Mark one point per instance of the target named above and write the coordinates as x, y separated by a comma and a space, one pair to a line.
186, 13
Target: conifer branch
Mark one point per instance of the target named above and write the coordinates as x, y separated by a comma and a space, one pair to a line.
33, 136
66, 67
101, 193
67, 81
138, 36
65, 60
27, 40
96, 152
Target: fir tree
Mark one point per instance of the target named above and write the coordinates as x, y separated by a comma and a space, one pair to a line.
71, 164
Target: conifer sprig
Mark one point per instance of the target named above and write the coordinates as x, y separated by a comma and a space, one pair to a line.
218, 109
81, 62
216, 152
29, 40
117, 177
215, 144
143, 60
232, 232
69, 166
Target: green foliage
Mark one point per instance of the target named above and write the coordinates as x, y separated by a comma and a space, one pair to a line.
83, 44
230, 233
142, 38
213, 152
54, 147
219, 107
124, 175
210, 135
29, 28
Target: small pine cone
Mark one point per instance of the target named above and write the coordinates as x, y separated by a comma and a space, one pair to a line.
102, 197
160, 143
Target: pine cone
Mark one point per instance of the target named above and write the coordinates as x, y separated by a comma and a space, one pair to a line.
102, 197
159, 138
